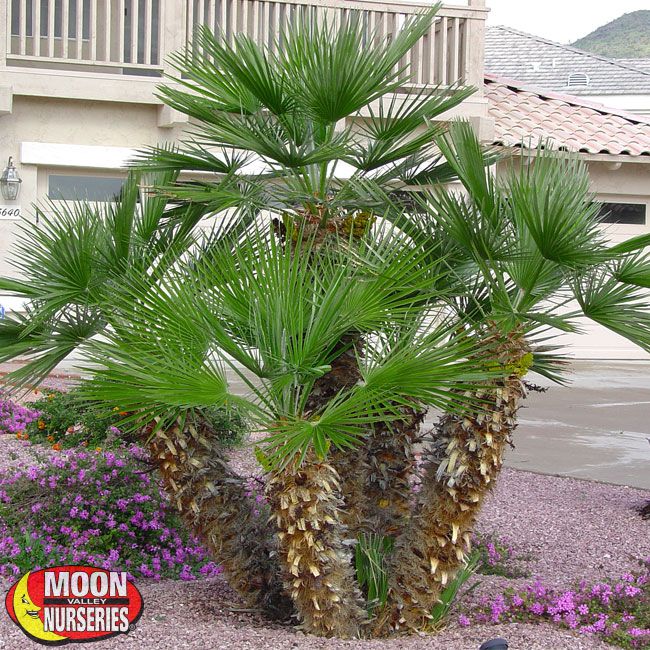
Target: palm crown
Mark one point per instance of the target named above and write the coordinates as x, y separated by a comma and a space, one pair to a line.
305, 125
526, 248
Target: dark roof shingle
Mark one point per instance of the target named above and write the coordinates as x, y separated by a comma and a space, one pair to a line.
545, 64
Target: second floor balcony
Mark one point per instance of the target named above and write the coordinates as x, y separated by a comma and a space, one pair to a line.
117, 50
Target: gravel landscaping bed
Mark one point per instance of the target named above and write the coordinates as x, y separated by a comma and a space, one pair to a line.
563, 530
192, 615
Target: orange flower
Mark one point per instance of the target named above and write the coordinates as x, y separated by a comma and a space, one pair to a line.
84, 443
50, 438
51, 396
123, 413
41, 425
19, 435
56, 446
98, 449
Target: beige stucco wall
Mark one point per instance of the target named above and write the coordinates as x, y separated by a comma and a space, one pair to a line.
69, 122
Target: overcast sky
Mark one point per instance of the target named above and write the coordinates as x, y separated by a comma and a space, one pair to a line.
559, 20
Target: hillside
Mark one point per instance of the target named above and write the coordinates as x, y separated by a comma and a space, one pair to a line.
625, 37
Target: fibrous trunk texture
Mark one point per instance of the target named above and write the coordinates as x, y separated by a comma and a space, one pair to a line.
460, 469
375, 476
318, 571
312, 521
344, 374
388, 465
213, 502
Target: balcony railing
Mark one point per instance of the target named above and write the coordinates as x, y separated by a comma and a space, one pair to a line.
135, 37
113, 34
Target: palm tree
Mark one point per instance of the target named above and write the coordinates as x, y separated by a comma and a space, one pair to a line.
348, 303
273, 128
259, 309
533, 257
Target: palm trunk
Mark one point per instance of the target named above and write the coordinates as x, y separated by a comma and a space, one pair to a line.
318, 570
375, 477
461, 468
389, 463
344, 375
213, 503
312, 520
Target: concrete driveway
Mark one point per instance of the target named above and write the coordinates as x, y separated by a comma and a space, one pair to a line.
597, 428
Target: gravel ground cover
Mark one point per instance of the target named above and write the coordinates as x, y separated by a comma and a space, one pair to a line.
563, 530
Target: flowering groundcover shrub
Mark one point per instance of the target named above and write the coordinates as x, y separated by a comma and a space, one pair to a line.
63, 420
104, 509
14, 418
497, 556
619, 611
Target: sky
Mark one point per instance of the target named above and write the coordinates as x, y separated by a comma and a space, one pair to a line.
559, 20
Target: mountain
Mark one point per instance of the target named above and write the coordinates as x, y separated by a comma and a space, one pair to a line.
625, 37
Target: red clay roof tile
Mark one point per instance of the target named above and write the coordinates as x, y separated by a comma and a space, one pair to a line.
520, 112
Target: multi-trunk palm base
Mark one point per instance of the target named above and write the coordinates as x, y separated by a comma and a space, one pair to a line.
300, 563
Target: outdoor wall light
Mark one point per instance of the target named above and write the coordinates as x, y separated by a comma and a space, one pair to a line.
495, 644
10, 182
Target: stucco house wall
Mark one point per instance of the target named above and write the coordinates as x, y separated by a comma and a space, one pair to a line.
88, 138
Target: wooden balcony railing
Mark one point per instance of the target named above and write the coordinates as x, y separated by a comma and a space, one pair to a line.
135, 37
120, 34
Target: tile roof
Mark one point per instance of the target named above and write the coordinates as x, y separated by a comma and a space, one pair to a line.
525, 116
545, 64
640, 64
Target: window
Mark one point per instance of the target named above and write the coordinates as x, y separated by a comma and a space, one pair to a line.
577, 79
84, 188
632, 213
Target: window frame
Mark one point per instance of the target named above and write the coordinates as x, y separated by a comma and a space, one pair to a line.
642, 204
79, 173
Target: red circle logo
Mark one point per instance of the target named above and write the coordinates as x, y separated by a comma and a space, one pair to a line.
68, 604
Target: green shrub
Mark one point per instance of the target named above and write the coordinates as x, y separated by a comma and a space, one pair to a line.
65, 421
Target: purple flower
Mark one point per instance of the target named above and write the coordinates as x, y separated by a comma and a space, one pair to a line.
537, 609
97, 493
632, 591
186, 573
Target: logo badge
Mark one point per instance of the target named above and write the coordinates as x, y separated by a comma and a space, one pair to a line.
71, 604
